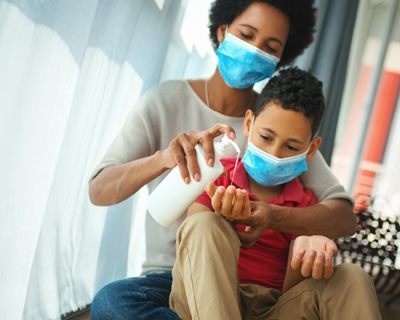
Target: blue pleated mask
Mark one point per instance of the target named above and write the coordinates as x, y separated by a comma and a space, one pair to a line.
241, 64
268, 170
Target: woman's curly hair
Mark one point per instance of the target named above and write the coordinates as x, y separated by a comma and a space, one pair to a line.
301, 13
297, 90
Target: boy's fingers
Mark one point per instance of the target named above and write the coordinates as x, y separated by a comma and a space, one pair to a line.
210, 189
237, 205
307, 264
227, 201
332, 248
216, 200
297, 259
318, 265
328, 267
246, 209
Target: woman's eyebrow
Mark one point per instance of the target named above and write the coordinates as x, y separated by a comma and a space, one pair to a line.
249, 26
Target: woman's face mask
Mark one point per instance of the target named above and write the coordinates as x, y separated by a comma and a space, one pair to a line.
241, 64
268, 170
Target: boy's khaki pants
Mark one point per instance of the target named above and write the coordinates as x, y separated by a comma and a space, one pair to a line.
206, 283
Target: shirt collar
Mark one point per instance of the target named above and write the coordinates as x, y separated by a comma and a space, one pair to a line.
239, 178
293, 191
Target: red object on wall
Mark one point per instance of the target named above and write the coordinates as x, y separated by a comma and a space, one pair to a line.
378, 131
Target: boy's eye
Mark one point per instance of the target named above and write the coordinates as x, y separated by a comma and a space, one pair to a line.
292, 148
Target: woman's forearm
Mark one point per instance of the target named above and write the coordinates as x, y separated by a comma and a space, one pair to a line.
118, 182
331, 218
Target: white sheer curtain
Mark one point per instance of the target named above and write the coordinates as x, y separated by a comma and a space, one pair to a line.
70, 71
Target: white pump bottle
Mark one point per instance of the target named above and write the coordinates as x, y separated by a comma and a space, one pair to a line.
173, 196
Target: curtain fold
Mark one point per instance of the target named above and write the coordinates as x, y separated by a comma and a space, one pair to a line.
327, 59
70, 73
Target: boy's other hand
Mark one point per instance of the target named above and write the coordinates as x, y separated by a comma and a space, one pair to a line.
313, 254
256, 224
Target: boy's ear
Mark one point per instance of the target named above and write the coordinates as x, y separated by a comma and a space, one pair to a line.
248, 119
314, 145
221, 33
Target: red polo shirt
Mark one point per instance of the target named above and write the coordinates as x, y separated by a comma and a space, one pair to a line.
266, 261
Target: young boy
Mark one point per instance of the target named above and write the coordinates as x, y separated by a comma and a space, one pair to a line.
210, 264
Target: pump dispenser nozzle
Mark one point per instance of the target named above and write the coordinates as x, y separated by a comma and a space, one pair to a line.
225, 142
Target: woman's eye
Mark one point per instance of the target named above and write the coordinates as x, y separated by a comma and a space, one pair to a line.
246, 36
265, 137
270, 49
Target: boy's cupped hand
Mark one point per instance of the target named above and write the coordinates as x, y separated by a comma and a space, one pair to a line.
231, 202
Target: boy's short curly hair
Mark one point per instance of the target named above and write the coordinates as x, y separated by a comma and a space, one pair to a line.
297, 90
301, 13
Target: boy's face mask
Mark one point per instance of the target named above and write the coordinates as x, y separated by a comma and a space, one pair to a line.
241, 65
268, 170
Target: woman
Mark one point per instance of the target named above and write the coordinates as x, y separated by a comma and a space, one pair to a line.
151, 142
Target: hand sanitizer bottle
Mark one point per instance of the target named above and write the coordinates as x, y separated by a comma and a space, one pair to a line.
173, 196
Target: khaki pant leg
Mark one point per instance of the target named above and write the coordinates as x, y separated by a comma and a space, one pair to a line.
349, 294
205, 275
257, 302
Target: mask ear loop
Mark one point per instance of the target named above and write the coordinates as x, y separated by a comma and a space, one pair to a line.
238, 151
251, 130
219, 39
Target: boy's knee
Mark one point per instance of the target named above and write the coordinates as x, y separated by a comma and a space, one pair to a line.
203, 222
203, 219
350, 270
206, 223
352, 273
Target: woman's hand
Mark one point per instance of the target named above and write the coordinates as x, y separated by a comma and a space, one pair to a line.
256, 223
313, 254
230, 202
181, 151
361, 204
